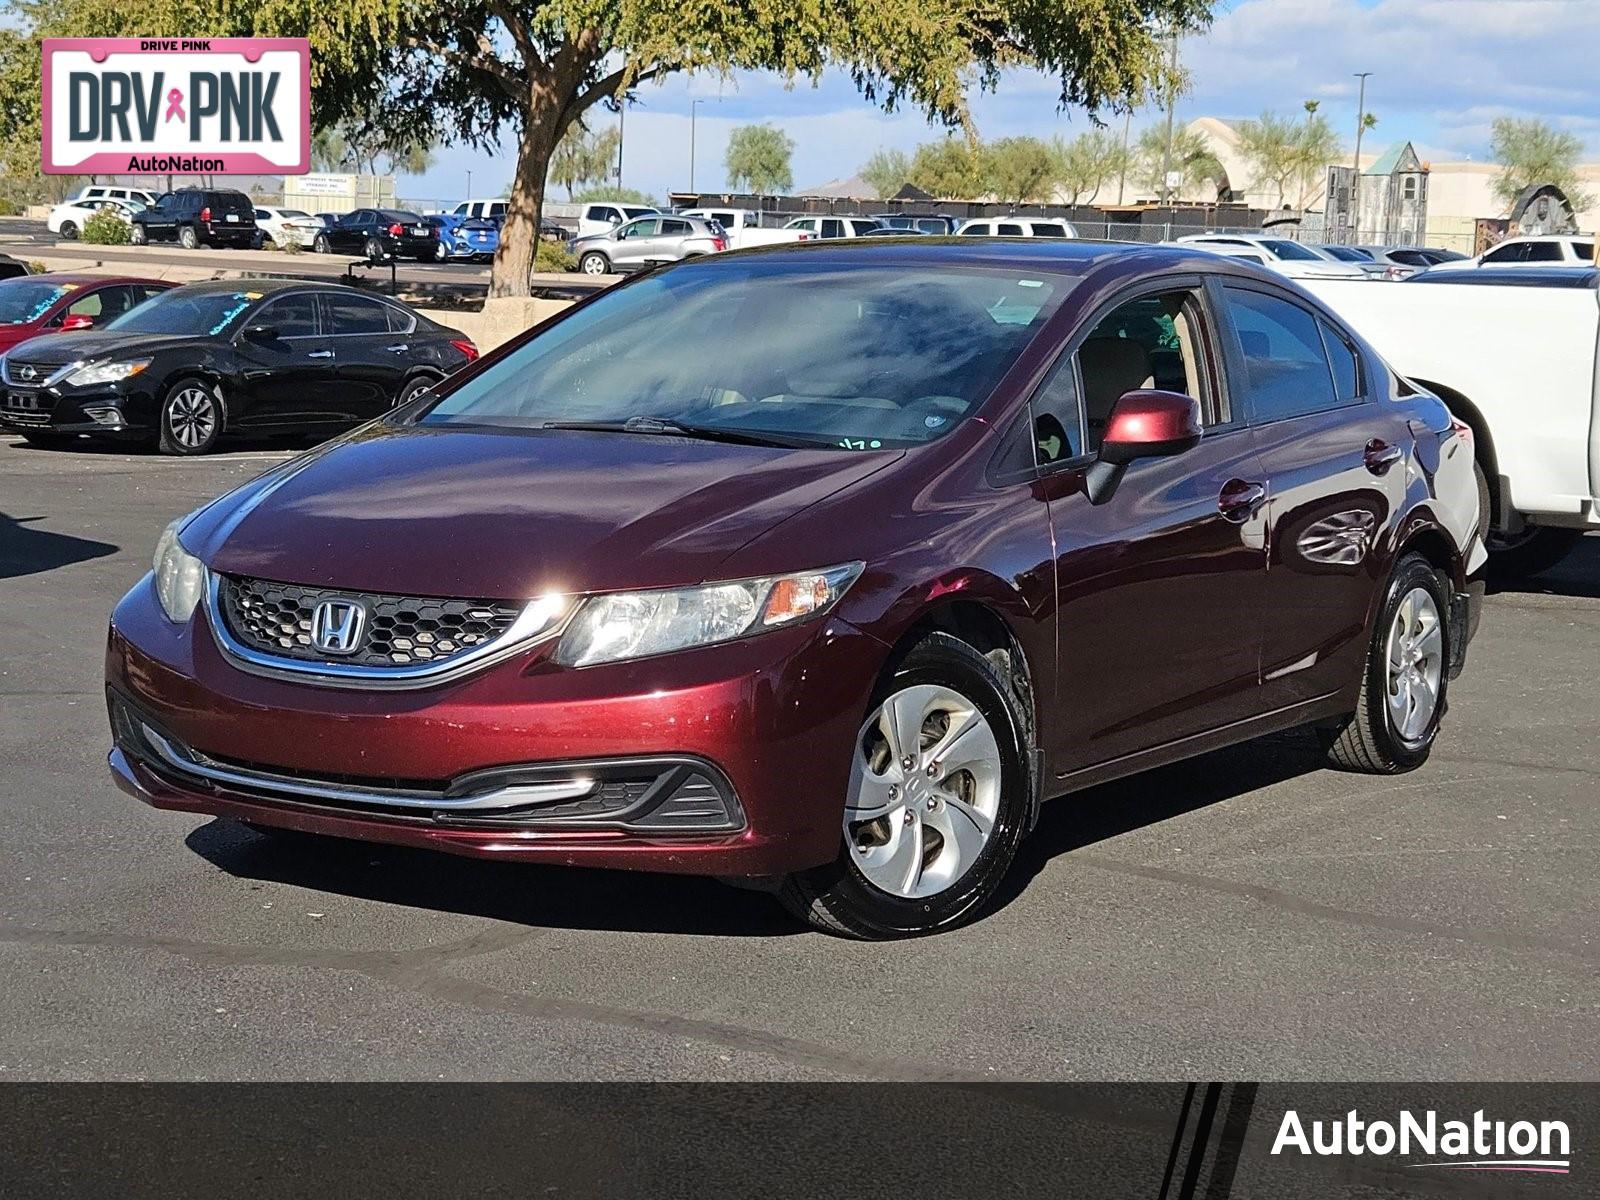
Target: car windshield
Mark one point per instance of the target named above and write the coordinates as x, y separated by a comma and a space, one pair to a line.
183, 311
850, 357
1288, 250
25, 300
1347, 254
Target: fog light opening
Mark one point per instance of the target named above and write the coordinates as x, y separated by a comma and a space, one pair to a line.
111, 418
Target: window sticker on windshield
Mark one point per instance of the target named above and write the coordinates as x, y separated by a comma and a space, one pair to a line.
38, 310
1030, 283
860, 444
227, 318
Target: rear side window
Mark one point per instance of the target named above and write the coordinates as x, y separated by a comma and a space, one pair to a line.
1041, 229
1346, 364
355, 314
673, 228
1286, 367
1011, 231
400, 321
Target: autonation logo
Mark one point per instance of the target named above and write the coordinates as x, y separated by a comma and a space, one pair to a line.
1541, 1148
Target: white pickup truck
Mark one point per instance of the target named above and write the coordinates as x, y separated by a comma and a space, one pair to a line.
744, 227
1516, 361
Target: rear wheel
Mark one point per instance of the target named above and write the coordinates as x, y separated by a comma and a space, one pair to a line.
188, 238
1537, 548
375, 251
1404, 681
413, 389
440, 253
192, 418
937, 803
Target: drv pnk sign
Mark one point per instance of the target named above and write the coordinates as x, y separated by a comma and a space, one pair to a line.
157, 106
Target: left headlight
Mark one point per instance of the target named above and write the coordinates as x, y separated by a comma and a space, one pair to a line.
636, 624
180, 576
110, 372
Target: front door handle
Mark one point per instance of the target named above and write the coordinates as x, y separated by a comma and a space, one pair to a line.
320, 354
1241, 499
397, 348
1380, 456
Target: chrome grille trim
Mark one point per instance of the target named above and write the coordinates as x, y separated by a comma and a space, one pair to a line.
537, 623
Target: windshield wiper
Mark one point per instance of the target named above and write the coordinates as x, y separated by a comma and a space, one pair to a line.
668, 427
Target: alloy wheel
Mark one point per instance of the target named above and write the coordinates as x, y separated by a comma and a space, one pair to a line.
192, 417
594, 264
1415, 665
924, 792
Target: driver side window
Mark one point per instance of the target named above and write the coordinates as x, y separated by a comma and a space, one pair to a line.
1155, 341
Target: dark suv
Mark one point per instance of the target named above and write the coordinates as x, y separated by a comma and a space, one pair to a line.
380, 234
194, 217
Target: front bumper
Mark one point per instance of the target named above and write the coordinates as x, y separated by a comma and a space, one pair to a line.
762, 729
110, 411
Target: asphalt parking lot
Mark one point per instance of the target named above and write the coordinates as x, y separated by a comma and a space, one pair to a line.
1247, 916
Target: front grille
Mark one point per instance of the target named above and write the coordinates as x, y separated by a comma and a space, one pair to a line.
399, 631
28, 372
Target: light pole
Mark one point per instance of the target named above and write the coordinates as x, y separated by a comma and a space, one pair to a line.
693, 104
1355, 178
469, 185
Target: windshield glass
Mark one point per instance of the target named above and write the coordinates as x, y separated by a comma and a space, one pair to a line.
855, 358
1347, 254
25, 300
1288, 250
183, 311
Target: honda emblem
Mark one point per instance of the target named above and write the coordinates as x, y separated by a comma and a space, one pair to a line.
337, 626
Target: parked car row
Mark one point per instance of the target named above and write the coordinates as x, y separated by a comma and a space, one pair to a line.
182, 367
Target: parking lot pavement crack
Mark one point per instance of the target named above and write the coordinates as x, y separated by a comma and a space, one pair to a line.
409, 969
1494, 939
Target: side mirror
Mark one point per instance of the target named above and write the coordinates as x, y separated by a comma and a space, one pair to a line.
1145, 423
261, 333
76, 321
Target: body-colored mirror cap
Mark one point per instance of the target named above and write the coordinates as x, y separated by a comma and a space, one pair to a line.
76, 321
1149, 423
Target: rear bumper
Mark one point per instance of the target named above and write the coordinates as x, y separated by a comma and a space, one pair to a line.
770, 721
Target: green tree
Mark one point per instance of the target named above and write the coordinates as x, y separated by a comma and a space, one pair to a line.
1315, 147
1087, 163
619, 195
758, 160
1532, 152
584, 157
1192, 159
1269, 144
1017, 170
950, 168
886, 172
478, 71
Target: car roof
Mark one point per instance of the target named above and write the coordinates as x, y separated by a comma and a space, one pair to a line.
1063, 256
1544, 276
83, 279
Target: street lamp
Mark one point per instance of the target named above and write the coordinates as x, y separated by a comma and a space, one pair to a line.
693, 104
1355, 179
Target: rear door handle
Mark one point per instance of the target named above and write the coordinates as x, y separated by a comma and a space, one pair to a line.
320, 354
397, 348
1241, 499
1380, 456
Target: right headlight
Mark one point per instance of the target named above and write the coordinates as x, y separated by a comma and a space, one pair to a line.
180, 576
623, 625
109, 372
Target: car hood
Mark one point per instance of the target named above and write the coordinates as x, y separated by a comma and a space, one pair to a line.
85, 344
507, 514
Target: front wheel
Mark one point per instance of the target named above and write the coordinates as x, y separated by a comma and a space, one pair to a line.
594, 263
138, 236
69, 230
319, 244
937, 803
192, 418
1404, 680
1537, 548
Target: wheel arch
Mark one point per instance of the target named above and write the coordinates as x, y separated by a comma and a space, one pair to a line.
1482, 443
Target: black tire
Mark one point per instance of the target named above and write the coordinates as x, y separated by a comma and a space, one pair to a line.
440, 252
189, 237
375, 252
1537, 549
179, 434
594, 263
1485, 503
69, 231
412, 388
138, 235
319, 244
1368, 741
838, 899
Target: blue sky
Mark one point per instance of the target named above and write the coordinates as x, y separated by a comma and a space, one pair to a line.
1442, 71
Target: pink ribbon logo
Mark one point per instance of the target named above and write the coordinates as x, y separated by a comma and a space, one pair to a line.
175, 105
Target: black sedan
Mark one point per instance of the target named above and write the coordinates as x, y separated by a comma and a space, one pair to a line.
201, 361
380, 234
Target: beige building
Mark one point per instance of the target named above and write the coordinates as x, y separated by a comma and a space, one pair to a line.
1458, 193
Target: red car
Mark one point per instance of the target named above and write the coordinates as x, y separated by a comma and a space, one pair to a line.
31, 305
927, 533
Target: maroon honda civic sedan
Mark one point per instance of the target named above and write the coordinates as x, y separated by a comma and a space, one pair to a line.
819, 569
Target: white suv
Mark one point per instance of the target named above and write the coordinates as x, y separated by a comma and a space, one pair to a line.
1282, 255
1551, 250
105, 191
1016, 227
